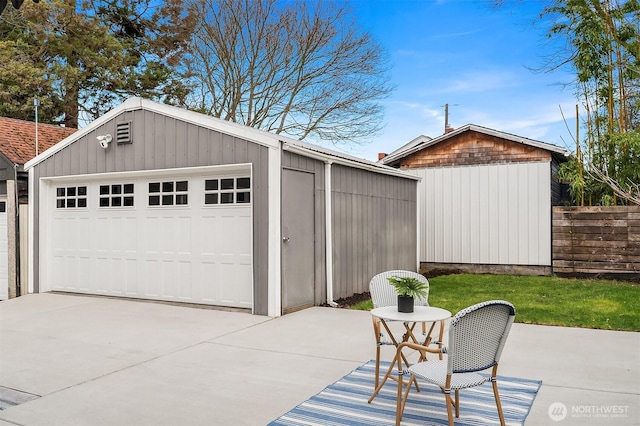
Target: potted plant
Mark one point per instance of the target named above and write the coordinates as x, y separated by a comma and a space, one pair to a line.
408, 289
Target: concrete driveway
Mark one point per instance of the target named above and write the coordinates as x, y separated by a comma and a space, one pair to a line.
80, 360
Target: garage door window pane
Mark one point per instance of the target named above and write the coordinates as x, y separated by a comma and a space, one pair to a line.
182, 186
104, 202
226, 198
211, 198
211, 185
104, 189
242, 197
167, 186
128, 201
167, 200
128, 188
154, 200
243, 183
82, 202
154, 187
227, 183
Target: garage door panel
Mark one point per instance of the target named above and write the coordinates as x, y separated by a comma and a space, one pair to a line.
102, 278
84, 272
151, 278
184, 282
235, 290
132, 283
194, 253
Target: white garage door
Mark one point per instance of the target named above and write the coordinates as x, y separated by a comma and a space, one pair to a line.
175, 237
4, 252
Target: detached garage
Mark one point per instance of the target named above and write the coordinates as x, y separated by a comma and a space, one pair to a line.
155, 202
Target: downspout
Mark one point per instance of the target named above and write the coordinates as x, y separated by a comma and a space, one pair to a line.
328, 241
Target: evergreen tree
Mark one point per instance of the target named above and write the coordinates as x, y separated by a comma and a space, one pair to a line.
83, 58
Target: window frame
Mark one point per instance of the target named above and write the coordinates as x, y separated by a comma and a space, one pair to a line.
163, 193
222, 190
122, 195
77, 198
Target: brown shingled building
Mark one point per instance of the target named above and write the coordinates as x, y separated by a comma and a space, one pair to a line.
18, 144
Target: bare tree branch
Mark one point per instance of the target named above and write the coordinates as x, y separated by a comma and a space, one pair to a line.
302, 69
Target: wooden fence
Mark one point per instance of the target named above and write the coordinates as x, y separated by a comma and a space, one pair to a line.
596, 240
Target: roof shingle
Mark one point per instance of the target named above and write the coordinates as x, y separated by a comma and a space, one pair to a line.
18, 138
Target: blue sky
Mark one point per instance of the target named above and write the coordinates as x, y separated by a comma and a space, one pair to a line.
472, 56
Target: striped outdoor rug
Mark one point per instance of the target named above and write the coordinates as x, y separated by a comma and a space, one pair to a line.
345, 403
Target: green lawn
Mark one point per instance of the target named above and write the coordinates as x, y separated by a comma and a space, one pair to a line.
586, 303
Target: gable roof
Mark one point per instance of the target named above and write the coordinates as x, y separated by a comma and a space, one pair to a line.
419, 144
420, 140
18, 138
234, 129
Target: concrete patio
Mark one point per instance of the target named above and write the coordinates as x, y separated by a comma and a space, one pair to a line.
99, 361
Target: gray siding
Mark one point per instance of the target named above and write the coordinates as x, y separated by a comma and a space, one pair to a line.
161, 142
7, 172
374, 227
298, 162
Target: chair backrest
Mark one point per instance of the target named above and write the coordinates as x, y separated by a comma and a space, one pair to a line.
384, 294
477, 335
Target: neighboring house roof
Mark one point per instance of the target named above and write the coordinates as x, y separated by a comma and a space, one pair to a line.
419, 141
234, 129
422, 142
18, 138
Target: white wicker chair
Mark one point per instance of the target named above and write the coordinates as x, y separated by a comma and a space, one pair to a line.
384, 294
477, 336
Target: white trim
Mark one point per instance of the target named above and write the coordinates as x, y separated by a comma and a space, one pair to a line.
274, 255
31, 233
328, 232
134, 104
223, 169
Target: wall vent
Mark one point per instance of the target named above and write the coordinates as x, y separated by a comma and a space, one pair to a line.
123, 132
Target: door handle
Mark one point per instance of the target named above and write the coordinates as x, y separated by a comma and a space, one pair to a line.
285, 239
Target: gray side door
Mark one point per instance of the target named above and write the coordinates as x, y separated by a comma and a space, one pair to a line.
298, 283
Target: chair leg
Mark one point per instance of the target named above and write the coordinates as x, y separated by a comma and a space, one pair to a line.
440, 337
449, 403
497, 395
376, 332
377, 376
457, 404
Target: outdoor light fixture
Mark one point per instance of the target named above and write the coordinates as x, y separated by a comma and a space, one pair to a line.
104, 140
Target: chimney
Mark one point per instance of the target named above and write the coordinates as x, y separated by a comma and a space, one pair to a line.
381, 155
448, 129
